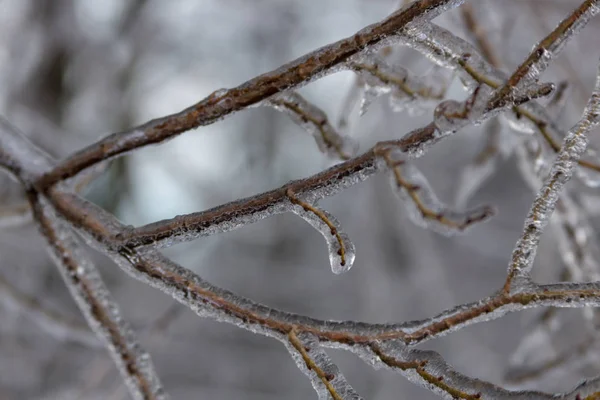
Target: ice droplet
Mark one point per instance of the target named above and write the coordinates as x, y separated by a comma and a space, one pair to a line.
340, 247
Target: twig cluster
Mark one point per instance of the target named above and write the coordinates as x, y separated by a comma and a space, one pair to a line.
63, 216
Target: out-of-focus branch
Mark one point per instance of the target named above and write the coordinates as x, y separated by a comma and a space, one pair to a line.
80, 275
50, 321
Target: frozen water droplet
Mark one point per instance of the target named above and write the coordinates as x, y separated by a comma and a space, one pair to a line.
340, 248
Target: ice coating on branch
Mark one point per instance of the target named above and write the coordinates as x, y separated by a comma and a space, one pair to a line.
406, 91
449, 51
423, 206
340, 247
311, 359
451, 115
315, 121
561, 171
97, 305
546, 50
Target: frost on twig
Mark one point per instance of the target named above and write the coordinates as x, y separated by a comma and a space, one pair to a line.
424, 208
325, 376
315, 121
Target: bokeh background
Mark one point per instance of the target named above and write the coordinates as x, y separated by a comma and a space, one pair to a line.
73, 71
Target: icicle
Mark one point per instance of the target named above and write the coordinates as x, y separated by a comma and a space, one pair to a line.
315, 121
341, 249
423, 206
449, 51
326, 378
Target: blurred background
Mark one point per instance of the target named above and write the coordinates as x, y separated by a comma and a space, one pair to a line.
74, 71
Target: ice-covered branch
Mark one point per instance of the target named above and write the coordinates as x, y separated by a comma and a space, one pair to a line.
424, 207
548, 48
325, 376
60, 212
208, 300
221, 103
315, 121
450, 51
543, 206
96, 304
430, 370
327, 183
